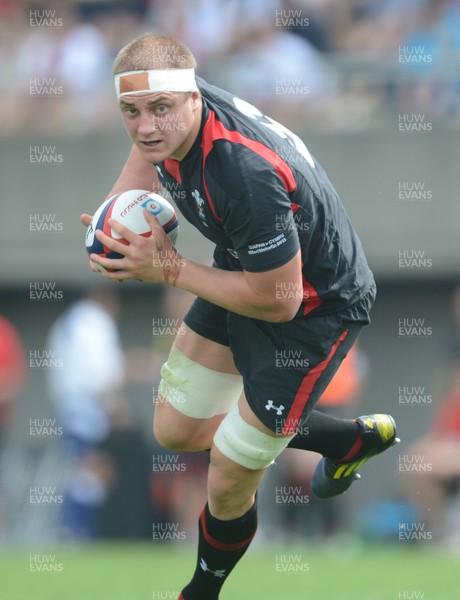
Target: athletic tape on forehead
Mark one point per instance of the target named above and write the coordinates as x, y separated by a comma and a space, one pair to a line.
159, 80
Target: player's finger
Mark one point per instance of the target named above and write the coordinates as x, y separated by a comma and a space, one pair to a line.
151, 219
107, 263
93, 267
85, 219
126, 233
158, 233
111, 243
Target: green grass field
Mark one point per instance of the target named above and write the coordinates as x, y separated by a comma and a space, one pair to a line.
141, 572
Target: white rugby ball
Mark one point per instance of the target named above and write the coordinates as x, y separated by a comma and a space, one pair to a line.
127, 208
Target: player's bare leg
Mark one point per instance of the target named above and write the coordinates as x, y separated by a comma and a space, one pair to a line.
231, 487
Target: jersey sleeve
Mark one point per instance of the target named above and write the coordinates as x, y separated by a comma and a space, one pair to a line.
256, 211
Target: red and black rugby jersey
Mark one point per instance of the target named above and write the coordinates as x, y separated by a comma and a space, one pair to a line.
251, 186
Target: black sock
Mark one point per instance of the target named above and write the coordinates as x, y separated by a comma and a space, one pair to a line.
330, 436
221, 545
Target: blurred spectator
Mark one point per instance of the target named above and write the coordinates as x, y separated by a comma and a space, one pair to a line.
432, 44
86, 392
126, 512
208, 26
278, 69
434, 486
62, 65
62, 74
12, 378
433, 481
12, 373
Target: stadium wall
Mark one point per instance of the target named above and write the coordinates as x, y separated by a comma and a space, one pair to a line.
400, 190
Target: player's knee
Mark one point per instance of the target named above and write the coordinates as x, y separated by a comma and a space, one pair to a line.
174, 441
172, 437
180, 433
164, 437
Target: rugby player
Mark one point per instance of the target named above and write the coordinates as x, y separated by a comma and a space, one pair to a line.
289, 280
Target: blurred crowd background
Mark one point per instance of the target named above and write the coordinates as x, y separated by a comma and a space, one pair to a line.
79, 363
352, 50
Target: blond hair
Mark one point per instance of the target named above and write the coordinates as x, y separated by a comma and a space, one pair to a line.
151, 51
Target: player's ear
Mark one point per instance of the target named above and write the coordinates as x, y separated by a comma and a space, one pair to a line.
195, 100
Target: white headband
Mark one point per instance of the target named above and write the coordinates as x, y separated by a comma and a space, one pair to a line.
159, 80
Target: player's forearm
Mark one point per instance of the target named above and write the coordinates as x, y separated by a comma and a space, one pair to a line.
230, 290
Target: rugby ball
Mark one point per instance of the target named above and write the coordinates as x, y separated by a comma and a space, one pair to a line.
127, 208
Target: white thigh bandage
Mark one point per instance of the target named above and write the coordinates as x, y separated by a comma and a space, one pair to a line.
196, 391
246, 445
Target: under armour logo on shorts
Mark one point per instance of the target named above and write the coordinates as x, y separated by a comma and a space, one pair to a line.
270, 405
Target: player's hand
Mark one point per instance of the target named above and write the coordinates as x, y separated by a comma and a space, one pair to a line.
153, 259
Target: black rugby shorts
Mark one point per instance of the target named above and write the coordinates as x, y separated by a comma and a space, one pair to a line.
285, 366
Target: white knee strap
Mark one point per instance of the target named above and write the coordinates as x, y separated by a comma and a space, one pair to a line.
246, 445
197, 391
